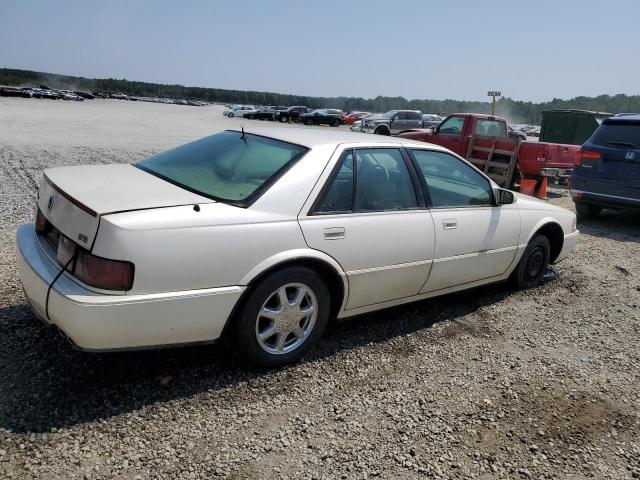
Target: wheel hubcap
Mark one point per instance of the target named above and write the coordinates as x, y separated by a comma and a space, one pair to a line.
535, 263
286, 319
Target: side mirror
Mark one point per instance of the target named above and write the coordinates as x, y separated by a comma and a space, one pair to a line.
504, 197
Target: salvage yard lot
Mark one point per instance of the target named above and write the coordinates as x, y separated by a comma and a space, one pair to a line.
492, 383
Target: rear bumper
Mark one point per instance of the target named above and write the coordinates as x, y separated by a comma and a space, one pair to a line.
605, 200
568, 245
556, 172
95, 321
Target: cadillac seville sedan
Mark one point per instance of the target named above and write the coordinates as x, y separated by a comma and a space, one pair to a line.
260, 237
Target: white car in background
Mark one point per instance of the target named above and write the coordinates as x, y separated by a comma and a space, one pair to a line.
260, 238
238, 111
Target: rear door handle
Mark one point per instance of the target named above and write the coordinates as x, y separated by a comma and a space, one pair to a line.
450, 224
333, 233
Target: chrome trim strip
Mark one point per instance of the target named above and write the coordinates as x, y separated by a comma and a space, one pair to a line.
389, 267
475, 254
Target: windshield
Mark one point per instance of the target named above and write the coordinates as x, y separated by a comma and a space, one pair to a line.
224, 166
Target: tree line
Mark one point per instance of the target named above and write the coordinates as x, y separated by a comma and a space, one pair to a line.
516, 111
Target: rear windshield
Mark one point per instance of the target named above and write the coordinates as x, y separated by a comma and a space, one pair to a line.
225, 166
618, 134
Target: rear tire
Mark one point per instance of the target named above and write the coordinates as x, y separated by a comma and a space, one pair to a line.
248, 335
308, 121
335, 123
587, 211
533, 264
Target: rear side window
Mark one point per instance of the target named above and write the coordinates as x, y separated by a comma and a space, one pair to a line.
225, 166
413, 116
451, 182
623, 134
491, 128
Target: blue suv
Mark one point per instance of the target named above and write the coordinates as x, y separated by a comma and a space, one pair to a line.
607, 171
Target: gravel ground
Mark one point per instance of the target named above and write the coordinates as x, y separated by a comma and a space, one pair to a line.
491, 383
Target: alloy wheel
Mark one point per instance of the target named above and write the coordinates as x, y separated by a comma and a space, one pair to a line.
286, 319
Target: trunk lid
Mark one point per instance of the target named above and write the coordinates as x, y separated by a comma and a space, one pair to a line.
74, 198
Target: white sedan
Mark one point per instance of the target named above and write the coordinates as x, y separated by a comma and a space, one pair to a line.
261, 237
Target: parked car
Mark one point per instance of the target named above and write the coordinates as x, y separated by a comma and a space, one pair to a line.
392, 122
323, 116
69, 95
430, 120
251, 113
516, 134
86, 95
291, 114
268, 113
352, 117
238, 111
10, 92
607, 171
138, 255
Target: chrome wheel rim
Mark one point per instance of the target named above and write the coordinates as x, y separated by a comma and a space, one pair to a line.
286, 319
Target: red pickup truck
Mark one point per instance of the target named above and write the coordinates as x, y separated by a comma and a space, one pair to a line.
535, 159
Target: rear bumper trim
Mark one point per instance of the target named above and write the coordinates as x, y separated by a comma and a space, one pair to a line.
583, 194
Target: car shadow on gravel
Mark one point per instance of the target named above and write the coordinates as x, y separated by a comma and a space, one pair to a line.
619, 225
45, 384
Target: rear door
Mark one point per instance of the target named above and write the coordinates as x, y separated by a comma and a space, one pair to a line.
371, 218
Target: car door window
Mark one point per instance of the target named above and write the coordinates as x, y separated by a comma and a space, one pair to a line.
451, 182
339, 196
383, 182
452, 125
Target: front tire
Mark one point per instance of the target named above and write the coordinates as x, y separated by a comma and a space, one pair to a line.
381, 131
308, 121
586, 211
230, 114
534, 263
335, 123
282, 318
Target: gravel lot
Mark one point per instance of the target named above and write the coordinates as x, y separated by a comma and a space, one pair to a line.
492, 383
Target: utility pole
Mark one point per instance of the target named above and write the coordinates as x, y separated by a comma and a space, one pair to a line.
493, 95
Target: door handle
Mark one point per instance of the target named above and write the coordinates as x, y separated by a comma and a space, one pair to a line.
333, 233
450, 224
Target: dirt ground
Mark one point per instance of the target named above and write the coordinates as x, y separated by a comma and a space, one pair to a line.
490, 383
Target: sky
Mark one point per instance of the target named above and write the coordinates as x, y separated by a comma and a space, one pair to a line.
532, 50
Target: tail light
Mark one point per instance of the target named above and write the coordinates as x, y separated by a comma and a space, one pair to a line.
586, 154
95, 271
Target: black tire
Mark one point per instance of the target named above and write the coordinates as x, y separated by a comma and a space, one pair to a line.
587, 211
284, 119
381, 131
308, 121
230, 115
241, 336
533, 264
335, 123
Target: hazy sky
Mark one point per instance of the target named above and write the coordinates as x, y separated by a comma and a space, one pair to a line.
531, 50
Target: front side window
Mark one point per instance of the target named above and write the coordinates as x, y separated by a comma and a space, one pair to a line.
225, 166
382, 182
491, 128
451, 182
452, 125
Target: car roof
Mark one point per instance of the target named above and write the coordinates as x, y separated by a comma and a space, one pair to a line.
314, 137
620, 117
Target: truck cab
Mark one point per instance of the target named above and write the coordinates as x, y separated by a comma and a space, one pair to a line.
392, 122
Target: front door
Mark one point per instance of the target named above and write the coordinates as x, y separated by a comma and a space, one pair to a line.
370, 219
475, 239
449, 133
